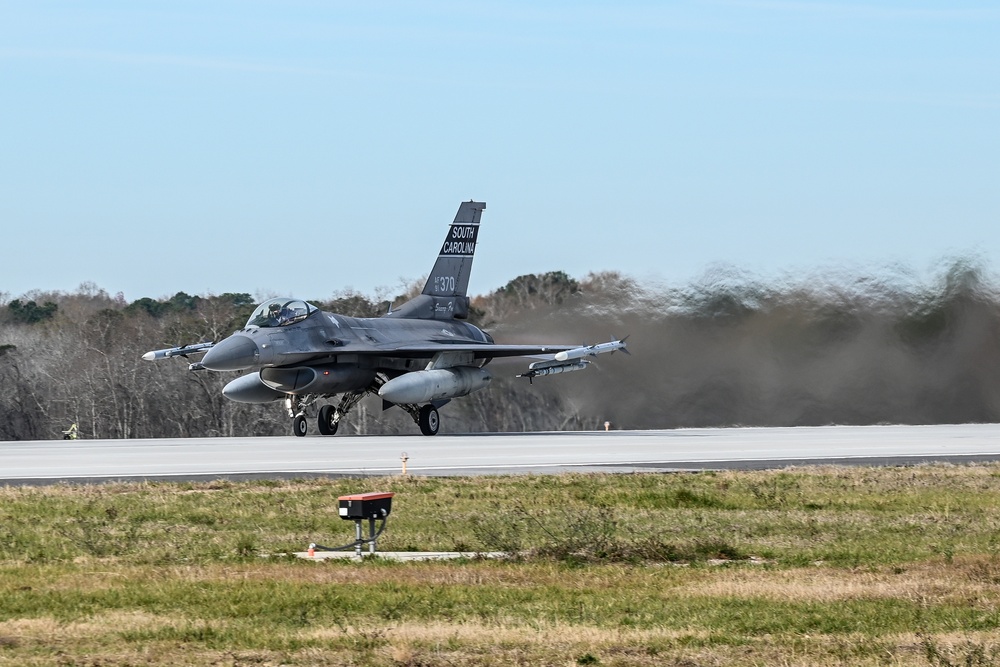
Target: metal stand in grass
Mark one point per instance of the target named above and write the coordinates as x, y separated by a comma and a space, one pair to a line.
357, 508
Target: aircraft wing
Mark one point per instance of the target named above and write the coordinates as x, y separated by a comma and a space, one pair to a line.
480, 350
557, 358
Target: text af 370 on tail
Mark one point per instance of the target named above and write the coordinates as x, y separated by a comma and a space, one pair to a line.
418, 356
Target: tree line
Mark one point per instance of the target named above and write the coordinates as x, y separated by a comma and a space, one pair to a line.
728, 348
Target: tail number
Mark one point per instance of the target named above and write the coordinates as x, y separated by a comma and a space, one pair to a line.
444, 283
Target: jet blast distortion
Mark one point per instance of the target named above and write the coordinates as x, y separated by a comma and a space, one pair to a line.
418, 356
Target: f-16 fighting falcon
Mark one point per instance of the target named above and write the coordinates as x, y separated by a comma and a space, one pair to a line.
418, 356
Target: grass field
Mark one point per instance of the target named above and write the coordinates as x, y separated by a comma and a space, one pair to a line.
807, 566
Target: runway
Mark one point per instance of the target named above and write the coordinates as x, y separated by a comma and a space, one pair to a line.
41, 462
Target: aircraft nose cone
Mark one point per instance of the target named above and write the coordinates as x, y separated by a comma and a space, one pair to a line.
232, 354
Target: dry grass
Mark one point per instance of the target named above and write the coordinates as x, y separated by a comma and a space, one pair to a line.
96, 642
863, 567
198, 636
971, 579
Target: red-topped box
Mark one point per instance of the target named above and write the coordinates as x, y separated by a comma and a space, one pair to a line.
366, 505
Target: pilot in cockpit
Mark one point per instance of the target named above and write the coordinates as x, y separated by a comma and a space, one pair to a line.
275, 313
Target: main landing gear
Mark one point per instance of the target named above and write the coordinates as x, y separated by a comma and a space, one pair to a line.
428, 420
328, 420
329, 417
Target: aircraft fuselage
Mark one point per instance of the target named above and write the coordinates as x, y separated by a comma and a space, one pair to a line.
325, 337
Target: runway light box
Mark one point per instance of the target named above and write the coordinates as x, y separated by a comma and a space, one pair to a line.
366, 506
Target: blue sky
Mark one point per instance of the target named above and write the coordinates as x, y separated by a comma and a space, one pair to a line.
305, 147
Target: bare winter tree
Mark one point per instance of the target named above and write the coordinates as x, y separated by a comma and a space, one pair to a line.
849, 347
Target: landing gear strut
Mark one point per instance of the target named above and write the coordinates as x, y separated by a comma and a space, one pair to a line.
297, 408
329, 418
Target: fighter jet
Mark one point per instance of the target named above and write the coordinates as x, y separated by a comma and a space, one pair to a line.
418, 356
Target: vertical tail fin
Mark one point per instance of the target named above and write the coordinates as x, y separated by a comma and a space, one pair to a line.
445, 295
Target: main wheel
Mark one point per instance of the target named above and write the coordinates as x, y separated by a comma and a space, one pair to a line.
430, 421
326, 423
299, 425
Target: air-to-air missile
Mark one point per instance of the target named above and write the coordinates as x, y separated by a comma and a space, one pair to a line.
592, 350
182, 351
539, 368
563, 361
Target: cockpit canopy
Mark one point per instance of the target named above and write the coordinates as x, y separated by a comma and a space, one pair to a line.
280, 312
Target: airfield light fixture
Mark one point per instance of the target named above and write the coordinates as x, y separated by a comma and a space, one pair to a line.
358, 507
361, 506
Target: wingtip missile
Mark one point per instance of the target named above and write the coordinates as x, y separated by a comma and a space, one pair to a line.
182, 351
592, 350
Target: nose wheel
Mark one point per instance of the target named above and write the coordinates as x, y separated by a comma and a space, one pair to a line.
299, 425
